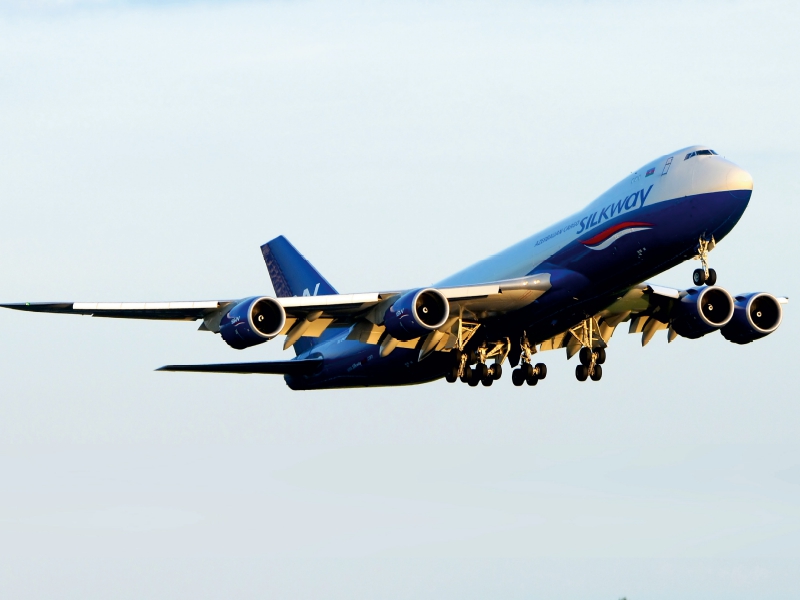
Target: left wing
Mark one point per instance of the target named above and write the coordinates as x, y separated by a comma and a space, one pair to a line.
167, 311
309, 316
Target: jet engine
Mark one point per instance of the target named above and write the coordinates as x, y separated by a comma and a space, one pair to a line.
701, 311
416, 313
754, 316
252, 321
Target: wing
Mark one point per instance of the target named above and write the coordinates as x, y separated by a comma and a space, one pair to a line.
310, 316
647, 308
167, 311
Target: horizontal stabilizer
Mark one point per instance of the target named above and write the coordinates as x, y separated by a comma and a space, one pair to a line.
277, 367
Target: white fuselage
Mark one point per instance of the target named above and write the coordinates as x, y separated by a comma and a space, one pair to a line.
672, 177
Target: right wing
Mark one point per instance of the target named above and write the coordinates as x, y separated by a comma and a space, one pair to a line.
645, 306
648, 308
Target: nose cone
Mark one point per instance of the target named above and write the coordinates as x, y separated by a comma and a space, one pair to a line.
715, 174
739, 180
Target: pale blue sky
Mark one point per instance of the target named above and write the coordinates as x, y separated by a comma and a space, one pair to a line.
148, 150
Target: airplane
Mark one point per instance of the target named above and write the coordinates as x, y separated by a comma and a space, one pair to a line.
569, 286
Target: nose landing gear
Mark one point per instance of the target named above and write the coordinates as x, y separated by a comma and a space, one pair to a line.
705, 275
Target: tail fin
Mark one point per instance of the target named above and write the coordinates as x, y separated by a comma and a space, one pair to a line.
293, 275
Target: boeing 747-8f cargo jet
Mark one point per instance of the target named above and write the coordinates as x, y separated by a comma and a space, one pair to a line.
568, 286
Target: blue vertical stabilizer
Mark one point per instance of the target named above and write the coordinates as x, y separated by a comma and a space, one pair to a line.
293, 275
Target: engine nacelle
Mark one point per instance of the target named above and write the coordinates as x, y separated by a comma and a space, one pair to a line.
416, 313
252, 321
754, 316
701, 311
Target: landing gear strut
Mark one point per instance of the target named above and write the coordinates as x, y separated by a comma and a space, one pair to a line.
705, 275
527, 372
482, 373
487, 375
591, 358
462, 360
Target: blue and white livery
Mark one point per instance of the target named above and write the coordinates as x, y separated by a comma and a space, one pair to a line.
568, 286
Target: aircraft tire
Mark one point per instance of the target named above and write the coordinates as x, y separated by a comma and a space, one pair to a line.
601, 356
712, 277
517, 377
488, 380
527, 369
481, 370
532, 380
541, 370
585, 356
467, 375
496, 371
597, 374
474, 378
581, 372
452, 375
698, 277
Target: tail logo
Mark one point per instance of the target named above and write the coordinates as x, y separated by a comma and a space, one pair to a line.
316, 289
605, 238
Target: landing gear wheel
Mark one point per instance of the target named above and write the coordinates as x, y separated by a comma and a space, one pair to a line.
452, 375
517, 377
585, 356
581, 372
496, 371
532, 380
467, 375
698, 277
487, 381
474, 378
541, 370
597, 374
481, 371
527, 370
600, 356
712, 277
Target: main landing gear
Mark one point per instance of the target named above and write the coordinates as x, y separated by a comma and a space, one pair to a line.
481, 373
588, 337
485, 374
704, 275
590, 367
527, 372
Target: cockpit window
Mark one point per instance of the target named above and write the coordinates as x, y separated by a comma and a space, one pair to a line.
700, 153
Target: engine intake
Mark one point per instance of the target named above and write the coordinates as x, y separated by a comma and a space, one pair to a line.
701, 311
416, 313
755, 315
252, 321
